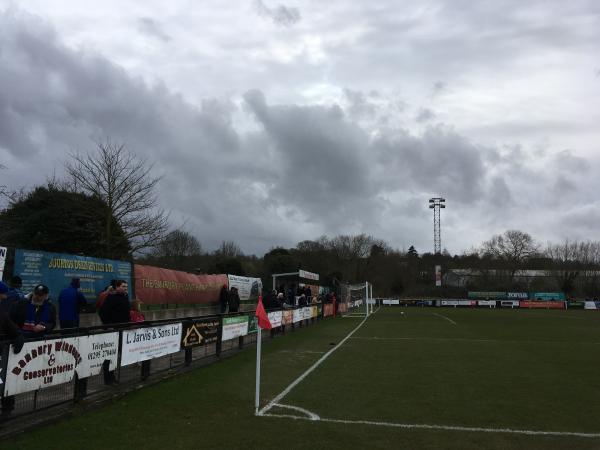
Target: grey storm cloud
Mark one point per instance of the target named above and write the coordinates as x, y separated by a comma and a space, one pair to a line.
280, 14
151, 27
292, 170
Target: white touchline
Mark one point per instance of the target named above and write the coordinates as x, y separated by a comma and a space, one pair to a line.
500, 341
444, 317
443, 427
298, 380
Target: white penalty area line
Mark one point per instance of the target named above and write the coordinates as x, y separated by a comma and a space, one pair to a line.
444, 317
418, 426
298, 380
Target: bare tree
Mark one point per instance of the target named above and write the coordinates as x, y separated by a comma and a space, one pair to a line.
178, 243
514, 247
229, 249
575, 259
126, 184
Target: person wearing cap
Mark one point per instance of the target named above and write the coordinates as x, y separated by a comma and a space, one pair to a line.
70, 301
13, 295
37, 315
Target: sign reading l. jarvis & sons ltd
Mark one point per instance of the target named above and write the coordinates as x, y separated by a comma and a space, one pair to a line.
200, 332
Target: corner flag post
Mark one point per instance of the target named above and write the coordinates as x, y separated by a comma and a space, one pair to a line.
258, 348
263, 322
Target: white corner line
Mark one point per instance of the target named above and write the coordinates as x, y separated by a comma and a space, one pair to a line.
444, 317
298, 380
446, 427
309, 414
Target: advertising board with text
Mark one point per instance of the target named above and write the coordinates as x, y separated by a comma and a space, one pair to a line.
200, 332
234, 327
248, 288
56, 270
154, 285
143, 344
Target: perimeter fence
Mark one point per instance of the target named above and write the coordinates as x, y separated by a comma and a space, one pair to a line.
68, 366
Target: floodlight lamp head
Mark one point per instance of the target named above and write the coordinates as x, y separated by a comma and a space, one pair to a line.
442, 199
430, 200
442, 206
431, 206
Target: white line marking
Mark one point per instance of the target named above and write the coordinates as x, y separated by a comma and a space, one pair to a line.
445, 427
501, 341
444, 317
311, 415
298, 380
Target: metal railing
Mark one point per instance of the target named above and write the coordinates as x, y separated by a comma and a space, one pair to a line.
76, 390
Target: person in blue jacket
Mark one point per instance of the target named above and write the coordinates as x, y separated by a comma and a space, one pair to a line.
70, 301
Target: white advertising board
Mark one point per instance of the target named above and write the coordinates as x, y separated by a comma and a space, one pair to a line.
248, 288
234, 327
143, 344
391, 301
3, 251
275, 318
488, 303
509, 303
298, 315
95, 350
41, 364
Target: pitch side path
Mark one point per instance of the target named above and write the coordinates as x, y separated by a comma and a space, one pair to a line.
425, 379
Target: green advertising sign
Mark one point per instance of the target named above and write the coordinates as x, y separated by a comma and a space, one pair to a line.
547, 296
252, 324
493, 295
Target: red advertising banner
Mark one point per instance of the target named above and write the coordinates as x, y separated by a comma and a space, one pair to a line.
543, 305
154, 285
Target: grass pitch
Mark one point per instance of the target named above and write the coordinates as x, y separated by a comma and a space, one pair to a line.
428, 378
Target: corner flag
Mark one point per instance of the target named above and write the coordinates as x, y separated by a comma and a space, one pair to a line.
261, 314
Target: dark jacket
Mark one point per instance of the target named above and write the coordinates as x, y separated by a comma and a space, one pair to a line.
234, 301
115, 309
10, 329
12, 296
70, 300
26, 315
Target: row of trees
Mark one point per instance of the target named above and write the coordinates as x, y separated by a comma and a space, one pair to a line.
107, 207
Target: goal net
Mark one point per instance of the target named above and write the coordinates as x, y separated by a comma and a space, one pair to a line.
356, 300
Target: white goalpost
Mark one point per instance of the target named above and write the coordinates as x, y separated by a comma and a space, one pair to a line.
357, 300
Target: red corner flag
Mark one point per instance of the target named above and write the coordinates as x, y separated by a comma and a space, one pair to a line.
263, 318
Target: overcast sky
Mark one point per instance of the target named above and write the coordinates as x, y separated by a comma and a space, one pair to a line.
275, 122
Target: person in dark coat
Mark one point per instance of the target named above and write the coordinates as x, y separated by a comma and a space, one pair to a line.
36, 316
13, 295
10, 329
223, 298
115, 309
70, 301
234, 300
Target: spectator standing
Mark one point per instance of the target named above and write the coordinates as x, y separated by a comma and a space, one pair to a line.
10, 329
234, 300
223, 298
308, 294
14, 294
37, 315
102, 295
115, 309
70, 302
135, 314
